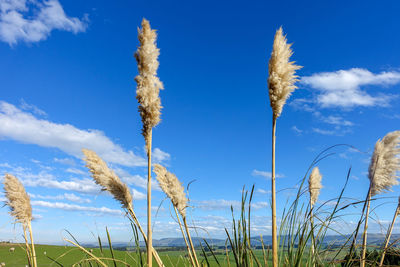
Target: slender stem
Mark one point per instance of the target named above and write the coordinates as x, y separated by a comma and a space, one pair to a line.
274, 234
364, 246
190, 241
353, 244
32, 244
155, 254
312, 236
389, 233
149, 233
28, 249
184, 237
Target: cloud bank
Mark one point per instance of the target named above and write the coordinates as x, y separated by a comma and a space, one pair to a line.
342, 88
24, 127
33, 20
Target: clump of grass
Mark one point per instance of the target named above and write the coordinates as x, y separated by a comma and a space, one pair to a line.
21, 209
281, 83
147, 94
173, 188
382, 173
110, 182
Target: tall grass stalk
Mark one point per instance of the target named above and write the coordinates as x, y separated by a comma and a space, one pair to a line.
147, 94
382, 173
184, 238
173, 188
389, 233
20, 208
281, 80
109, 181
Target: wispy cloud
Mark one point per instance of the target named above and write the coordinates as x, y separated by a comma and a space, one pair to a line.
66, 196
138, 195
296, 130
159, 156
266, 175
135, 179
222, 204
33, 21
343, 88
25, 127
262, 191
74, 207
323, 132
66, 161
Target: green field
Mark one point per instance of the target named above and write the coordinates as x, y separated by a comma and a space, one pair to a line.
48, 255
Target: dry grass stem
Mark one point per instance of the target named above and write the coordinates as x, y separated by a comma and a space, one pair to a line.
107, 179
384, 168
282, 78
148, 84
382, 173
20, 205
314, 185
171, 186
389, 233
281, 83
18, 200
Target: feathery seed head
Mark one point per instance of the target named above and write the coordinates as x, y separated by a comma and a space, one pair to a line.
314, 185
384, 168
281, 72
148, 84
172, 188
17, 199
106, 178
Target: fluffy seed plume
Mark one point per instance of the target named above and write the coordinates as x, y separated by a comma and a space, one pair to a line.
148, 84
384, 168
106, 178
172, 187
314, 185
281, 71
17, 199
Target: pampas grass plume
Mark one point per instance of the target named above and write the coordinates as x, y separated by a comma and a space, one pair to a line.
385, 163
171, 186
148, 84
18, 200
314, 185
281, 71
106, 178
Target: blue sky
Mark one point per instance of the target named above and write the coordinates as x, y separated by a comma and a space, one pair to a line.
66, 76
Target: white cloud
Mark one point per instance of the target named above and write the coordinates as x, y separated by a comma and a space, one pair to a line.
33, 20
66, 196
222, 204
159, 156
24, 127
138, 195
74, 207
29, 107
342, 88
66, 161
296, 130
335, 120
48, 180
75, 171
324, 132
266, 175
135, 179
262, 191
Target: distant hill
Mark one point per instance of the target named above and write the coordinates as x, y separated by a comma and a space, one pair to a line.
332, 240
